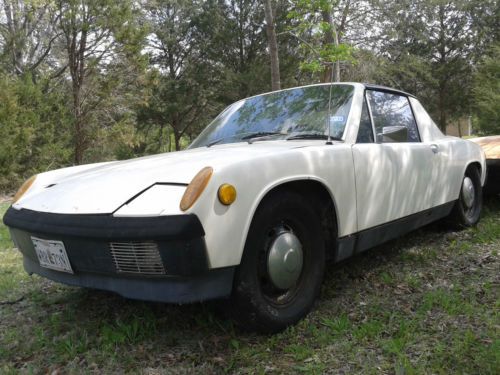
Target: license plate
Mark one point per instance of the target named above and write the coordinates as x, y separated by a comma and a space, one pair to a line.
52, 254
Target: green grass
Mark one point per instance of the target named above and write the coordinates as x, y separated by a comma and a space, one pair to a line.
13, 281
426, 303
5, 242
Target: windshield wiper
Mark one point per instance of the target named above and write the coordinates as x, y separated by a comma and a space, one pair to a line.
215, 141
263, 135
259, 135
312, 136
250, 137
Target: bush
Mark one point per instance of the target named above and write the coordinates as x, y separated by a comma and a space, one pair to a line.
487, 93
34, 130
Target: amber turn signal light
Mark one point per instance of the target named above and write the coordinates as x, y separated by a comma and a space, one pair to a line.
226, 194
195, 188
24, 188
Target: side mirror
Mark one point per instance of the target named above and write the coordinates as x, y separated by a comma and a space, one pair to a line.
393, 134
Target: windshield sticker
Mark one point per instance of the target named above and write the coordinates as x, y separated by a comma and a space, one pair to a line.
337, 119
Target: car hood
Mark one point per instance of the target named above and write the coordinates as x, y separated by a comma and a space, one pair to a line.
103, 188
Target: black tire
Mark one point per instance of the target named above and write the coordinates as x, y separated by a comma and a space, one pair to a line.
466, 215
257, 304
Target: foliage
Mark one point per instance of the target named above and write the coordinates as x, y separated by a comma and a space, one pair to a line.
318, 36
429, 46
487, 93
34, 134
28, 32
100, 41
182, 82
94, 80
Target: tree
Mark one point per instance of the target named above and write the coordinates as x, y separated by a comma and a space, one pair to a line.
98, 36
485, 18
34, 131
429, 47
240, 47
486, 93
319, 37
184, 77
273, 46
90, 80
27, 35
450, 41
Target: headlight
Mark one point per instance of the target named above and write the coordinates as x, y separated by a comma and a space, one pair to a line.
158, 200
195, 188
226, 194
24, 188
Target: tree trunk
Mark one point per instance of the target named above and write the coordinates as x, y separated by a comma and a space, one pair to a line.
273, 46
79, 148
337, 63
79, 125
169, 140
76, 61
79, 136
78, 115
442, 110
331, 37
442, 62
177, 139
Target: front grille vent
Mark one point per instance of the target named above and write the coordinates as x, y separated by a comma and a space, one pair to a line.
137, 257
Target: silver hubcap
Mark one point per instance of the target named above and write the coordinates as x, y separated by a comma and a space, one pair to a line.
468, 192
284, 262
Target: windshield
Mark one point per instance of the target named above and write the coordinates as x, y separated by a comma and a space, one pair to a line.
280, 115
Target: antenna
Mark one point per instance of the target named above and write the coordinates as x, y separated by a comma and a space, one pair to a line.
328, 121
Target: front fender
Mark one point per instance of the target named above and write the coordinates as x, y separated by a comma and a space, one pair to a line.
226, 227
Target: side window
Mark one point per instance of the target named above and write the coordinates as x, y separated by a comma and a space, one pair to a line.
365, 132
390, 112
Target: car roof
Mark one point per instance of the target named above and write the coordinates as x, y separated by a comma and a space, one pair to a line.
371, 86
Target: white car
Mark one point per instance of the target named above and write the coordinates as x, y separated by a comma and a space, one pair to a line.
274, 186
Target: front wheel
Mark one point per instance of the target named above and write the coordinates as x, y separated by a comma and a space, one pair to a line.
282, 266
467, 209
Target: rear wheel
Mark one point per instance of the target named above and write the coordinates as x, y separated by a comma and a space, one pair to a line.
282, 267
467, 209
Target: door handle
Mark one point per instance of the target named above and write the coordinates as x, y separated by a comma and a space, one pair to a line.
435, 148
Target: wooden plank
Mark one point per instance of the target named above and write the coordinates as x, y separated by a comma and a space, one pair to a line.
490, 146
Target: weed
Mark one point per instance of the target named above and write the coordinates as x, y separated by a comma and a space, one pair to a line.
426, 303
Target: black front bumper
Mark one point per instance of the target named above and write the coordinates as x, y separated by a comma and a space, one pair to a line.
179, 239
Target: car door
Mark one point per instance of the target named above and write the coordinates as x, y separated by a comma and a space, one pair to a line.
392, 172
449, 158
